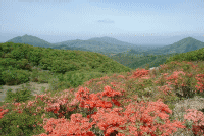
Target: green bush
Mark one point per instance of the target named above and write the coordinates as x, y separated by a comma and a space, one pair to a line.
8, 55
21, 64
9, 62
18, 54
2, 82
13, 76
35, 56
22, 95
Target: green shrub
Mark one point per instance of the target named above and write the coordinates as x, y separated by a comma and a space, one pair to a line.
23, 64
35, 56
13, 76
6, 62
22, 95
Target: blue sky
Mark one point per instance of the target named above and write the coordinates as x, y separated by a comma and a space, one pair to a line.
135, 21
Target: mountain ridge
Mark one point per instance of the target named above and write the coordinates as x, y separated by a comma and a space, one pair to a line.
107, 44
111, 40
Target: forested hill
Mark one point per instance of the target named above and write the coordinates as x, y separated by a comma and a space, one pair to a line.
23, 57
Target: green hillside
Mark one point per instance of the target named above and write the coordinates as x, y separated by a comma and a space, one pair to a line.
19, 59
197, 55
137, 60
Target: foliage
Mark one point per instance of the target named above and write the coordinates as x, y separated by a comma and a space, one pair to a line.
24, 58
197, 55
22, 95
14, 76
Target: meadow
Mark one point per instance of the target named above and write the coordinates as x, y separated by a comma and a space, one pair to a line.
74, 104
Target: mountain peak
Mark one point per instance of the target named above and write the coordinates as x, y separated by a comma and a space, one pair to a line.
189, 37
33, 40
25, 35
184, 45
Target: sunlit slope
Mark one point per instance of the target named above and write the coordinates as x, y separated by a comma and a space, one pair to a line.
24, 57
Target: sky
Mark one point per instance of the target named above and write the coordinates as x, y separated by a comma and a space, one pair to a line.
159, 22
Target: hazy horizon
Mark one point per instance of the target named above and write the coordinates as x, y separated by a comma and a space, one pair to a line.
171, 39
143, 22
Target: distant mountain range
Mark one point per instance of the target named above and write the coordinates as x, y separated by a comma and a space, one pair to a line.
100, 45
108, 45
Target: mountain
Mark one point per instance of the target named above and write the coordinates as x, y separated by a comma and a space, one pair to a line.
101, 42
182, 46
90, 44
99, 45
131, 45
112, 41
33, 40
185, 45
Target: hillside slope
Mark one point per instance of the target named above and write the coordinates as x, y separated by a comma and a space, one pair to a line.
23, 57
